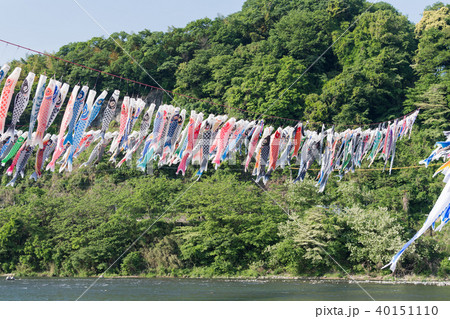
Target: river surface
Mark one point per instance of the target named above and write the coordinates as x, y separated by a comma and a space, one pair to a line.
212, 289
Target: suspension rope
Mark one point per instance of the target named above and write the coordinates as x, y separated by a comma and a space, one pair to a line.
185, 95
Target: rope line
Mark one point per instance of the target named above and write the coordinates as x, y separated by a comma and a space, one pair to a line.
188, 96
137, 82
287, 167
379, 169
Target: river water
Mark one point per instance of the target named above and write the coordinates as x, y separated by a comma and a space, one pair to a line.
212, 289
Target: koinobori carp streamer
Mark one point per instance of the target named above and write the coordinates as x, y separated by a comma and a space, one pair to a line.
163, 139
441, 208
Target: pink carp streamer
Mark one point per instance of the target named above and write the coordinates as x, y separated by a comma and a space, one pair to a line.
5, 98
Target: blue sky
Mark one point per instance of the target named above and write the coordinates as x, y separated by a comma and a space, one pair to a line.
46, 25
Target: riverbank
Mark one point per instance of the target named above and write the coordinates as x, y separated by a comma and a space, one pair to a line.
414, 280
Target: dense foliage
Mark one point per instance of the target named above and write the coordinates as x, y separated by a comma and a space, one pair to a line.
224, 224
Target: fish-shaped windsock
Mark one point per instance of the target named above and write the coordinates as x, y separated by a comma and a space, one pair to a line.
169, 121
327, 160
51, 146
273, 154
149, 148
5, 98
44, 113
98, 150
197, 127
63, 158
133, 140
215, 133
20, 103
236, 138
10, 169
235, 132
393, 145
139, 105
339, 148
3, 71
128, 127
93, 156
195, 154
172, 127
81, 127
123, 123
97, 106
84, 143
367, 143
179, 146
360, 146
205, 144
444, 169
146, 121
2, 143
287, 138
62, 130
56, 92
7, 146
387, 139
148, 142
262, 154
377, 144
322, 136
145, 125
131, 107
298, 137
411, 119
309, 153
224, 134
347, 154
109, 112
108, 138
189, 145
245, 136
21, 163
441, 207
253, 143
40, 158
61, 96
76, 110
248, 137
37, 101
442, 150
177, 133
15, 148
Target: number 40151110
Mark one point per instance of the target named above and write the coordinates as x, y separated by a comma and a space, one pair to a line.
407, 310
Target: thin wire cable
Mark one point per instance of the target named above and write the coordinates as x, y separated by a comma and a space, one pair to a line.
118, 44
137, 239
137, 82
90, 167
337, 263
192, 97
378, 169
316, 60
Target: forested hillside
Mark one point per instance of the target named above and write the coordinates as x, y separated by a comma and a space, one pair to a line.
385, 66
